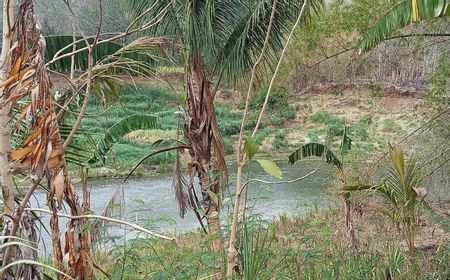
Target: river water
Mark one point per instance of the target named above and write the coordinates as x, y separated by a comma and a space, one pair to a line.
150, 201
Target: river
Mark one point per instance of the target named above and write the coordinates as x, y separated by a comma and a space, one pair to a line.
150, 201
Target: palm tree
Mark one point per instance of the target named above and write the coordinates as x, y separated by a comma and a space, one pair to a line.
401, 15
222, 40
402, 196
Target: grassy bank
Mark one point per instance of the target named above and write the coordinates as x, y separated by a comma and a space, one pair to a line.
288, 123
313, 246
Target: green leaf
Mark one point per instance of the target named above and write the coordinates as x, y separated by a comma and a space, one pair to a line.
55, 43
398, 17
251, 147
214, 197
122, 128
316, 150
271, 168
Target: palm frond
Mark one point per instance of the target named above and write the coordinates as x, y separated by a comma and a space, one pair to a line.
400, 16
120, 129
243, 40
144, 50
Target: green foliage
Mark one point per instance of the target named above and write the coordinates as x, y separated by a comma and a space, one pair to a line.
251, 147
228, 36
375, 90
270, 168
137, 100
400, 16
401, 194
228, 145
326, 118
316, 150
389, 125
263, 134
339, 21
360, 131
278, 108
313, 136
230, 122
437, 97
255, 250
120, 129
159, 260
279, 140
278, 99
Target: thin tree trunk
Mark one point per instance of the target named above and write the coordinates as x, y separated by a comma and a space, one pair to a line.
232, 261
349, 223
5, 144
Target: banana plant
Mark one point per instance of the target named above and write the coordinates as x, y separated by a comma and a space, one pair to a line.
401, 196
322, 150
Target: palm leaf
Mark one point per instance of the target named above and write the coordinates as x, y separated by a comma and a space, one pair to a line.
81, 148
56, 43
244, 38
228, 35
400, 16
142, 51
120, 129
316, 150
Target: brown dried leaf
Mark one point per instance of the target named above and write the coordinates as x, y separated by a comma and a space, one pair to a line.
58, 185
421, 192
21, 153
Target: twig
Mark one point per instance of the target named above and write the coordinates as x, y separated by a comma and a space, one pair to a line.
152, 154
281, 181
241, 157
148, 25
98, 217
280, 60
90, 75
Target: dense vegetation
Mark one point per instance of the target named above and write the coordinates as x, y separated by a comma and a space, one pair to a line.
221, 96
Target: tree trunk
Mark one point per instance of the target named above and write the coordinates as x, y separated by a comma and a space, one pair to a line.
206, 149
349, 223
232, 256
5, 144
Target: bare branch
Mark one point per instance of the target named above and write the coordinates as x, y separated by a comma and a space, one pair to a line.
97, 217
281, 181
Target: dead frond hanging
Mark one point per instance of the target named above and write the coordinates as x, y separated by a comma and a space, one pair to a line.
39, 152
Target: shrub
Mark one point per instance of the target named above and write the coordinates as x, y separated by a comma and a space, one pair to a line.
360, 131
279, 99
324, 118
278, 107
375, 90
228, 145
389, 125
280, 139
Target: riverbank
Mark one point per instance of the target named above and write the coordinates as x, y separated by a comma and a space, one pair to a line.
310, 246
373, 120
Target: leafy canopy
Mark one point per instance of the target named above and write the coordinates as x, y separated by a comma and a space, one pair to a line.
226, 35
